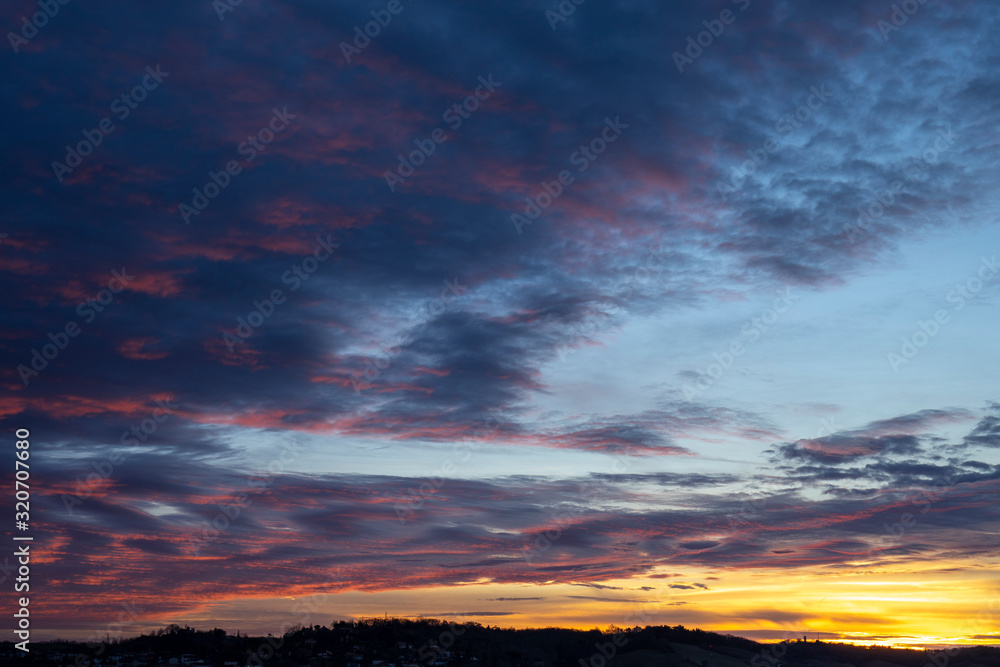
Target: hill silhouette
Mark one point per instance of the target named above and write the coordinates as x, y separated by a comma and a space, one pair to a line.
394, 642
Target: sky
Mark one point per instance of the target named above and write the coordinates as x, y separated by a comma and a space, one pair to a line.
522, 313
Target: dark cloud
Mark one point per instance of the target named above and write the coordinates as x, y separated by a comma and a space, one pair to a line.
987, 431
698, 545
903, 435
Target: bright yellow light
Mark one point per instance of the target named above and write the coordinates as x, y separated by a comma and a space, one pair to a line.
928, 604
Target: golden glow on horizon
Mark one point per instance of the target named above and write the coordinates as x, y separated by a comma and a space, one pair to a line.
920, 605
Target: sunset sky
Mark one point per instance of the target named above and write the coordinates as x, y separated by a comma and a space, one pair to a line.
525, 313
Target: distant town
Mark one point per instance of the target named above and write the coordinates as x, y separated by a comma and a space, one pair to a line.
392, 642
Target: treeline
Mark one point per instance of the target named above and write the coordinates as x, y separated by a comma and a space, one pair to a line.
461, 644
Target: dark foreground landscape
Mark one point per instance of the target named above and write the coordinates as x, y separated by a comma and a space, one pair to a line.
406, 643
